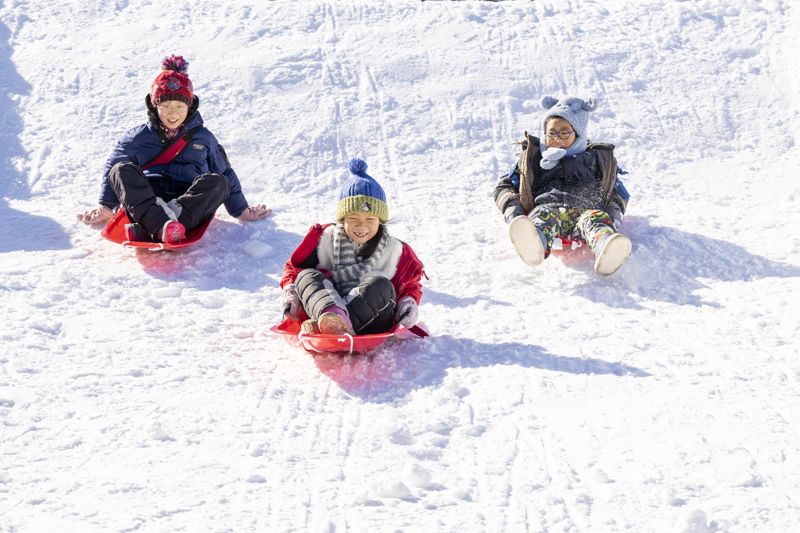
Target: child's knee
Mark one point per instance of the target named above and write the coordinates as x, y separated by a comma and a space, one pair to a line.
220, 185
381, 285
593, 217
123, 168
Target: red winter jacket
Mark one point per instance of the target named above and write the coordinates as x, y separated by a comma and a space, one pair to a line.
406, 279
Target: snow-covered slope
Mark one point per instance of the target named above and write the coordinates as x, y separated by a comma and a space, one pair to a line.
145, 392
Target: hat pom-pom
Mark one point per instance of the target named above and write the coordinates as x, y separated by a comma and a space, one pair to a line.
358, 167
176, 63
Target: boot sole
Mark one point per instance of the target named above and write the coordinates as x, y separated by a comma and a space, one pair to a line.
613, 256
333, 324
526, 241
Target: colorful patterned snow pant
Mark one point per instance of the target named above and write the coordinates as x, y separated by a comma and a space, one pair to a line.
571, 223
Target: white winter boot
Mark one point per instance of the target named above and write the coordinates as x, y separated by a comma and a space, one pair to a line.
528, 240
611, 252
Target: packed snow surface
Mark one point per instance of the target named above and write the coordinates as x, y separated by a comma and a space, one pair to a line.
145, 392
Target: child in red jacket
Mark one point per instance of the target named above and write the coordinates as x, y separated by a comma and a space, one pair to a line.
353, 277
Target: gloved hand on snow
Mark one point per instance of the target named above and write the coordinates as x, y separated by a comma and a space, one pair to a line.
290, 302
407, 312
551, 157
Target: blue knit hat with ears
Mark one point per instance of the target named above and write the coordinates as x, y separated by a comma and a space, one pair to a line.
361, 194
575, 111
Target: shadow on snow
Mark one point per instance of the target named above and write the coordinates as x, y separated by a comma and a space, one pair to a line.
393, 372
219, 261
668, 265
18, 230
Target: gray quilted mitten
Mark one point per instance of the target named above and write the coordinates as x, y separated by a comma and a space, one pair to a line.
290, 302
407, 313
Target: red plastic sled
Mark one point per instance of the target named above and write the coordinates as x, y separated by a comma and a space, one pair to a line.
115, 232
349, 344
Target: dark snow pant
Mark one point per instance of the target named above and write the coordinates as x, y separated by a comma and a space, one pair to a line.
371, 304
199, 200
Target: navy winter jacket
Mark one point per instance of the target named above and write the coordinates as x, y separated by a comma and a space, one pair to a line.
203, 155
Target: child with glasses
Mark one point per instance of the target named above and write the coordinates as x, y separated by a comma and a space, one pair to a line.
178, 193
565, 187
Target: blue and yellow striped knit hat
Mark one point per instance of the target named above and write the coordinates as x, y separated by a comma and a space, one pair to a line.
361, 194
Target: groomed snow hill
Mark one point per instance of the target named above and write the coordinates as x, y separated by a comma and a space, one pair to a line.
144, 392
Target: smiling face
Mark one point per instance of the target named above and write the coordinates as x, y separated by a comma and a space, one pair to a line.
361, 227
559, 133
172, 113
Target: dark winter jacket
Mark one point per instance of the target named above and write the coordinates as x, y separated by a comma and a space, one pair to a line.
401, 265
587, 180
203, 155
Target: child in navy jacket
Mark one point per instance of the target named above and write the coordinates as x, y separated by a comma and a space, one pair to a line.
171, 196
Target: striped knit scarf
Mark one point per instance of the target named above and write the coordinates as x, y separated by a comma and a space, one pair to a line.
348, 266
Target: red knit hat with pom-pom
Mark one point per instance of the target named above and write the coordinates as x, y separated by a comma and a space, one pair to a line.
173, 82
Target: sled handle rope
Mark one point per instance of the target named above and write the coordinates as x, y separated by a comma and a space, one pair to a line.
352, 343
127, 244
345, 342
300, 337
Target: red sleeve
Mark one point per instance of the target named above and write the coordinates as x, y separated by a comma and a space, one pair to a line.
409, 273
301, 253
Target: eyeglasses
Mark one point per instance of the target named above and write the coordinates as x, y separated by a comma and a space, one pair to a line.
563, 135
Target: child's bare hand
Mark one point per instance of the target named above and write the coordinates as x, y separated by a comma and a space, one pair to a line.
97, 215
255, 212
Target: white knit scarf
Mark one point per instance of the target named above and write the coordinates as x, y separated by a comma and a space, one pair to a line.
349, 267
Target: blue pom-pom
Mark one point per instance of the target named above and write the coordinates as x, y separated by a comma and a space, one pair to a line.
358, 167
